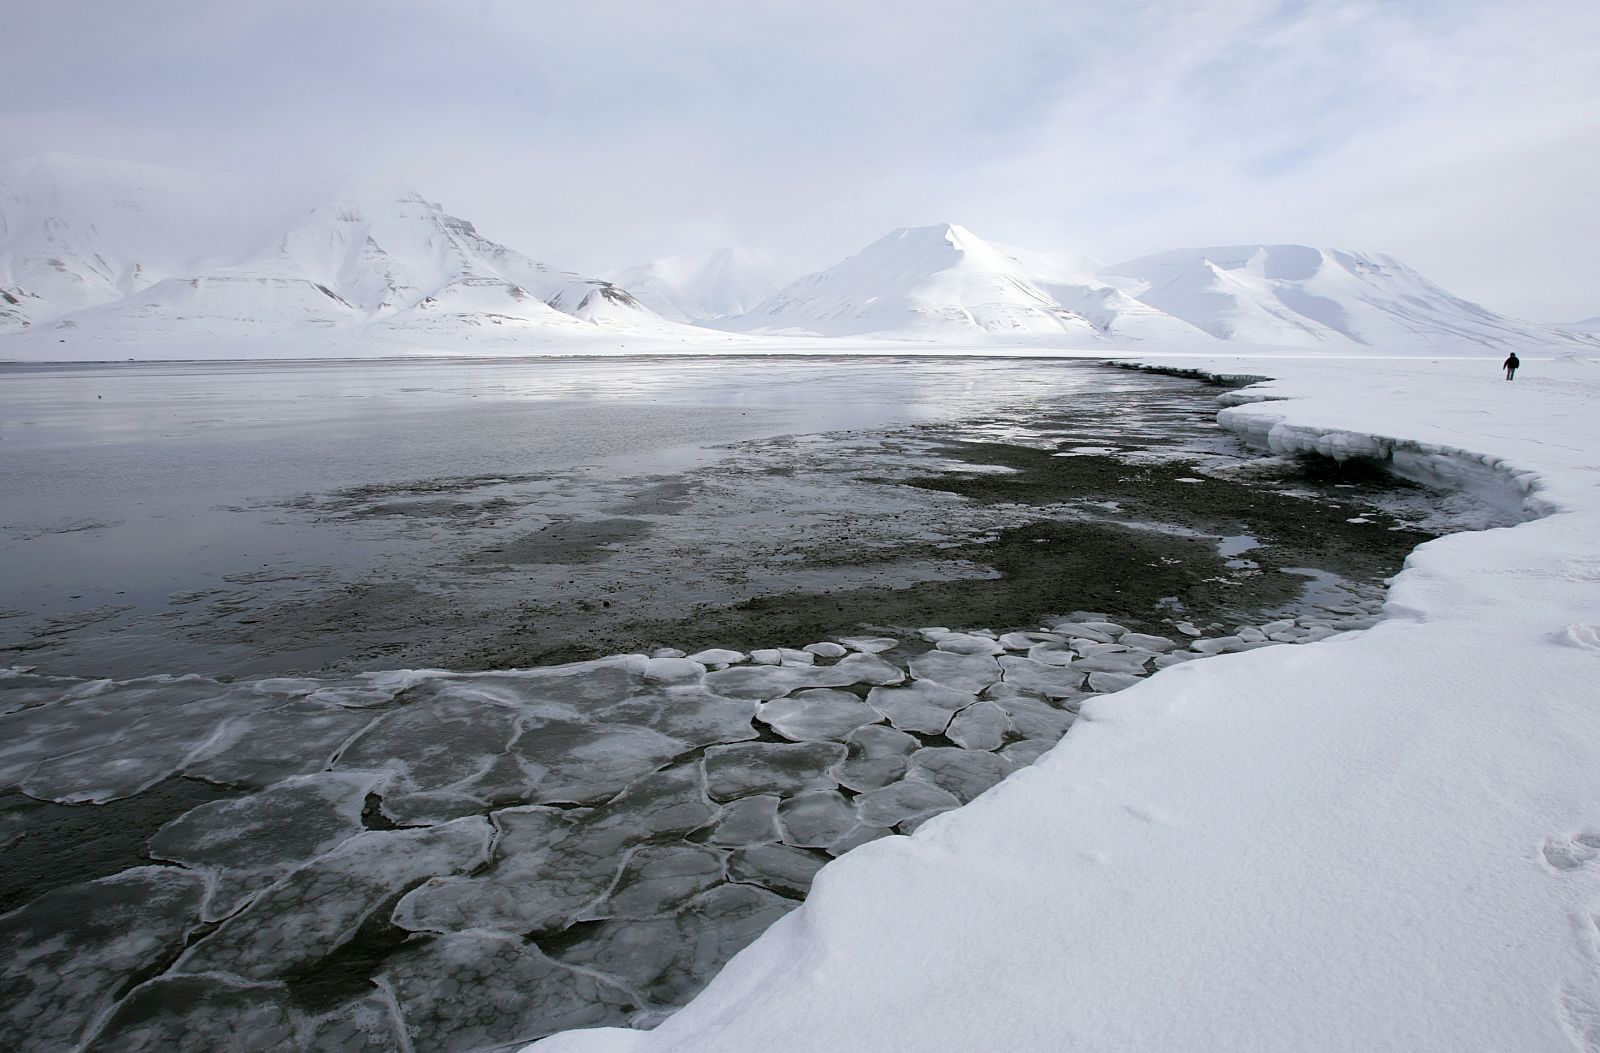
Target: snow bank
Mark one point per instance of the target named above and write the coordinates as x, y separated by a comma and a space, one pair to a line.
1389, 840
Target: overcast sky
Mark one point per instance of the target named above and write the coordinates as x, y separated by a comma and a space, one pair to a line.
1461, 135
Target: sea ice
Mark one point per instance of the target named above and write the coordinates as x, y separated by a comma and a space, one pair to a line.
907, 799
921, 706
981, 726
472, 991
667, 960
870, 644
573, 762
1049, 680
747, 768
1052, 654
965, 643
746, 821
1034, 718
69, 951
965, 773
827, 649
877, 757
961, 672
817, 818
249, 842
214, 1012
717, 656
1154, 643
1131, 662
319, 906
785, 870
818, 713
656, 879
294, 738
1107, 682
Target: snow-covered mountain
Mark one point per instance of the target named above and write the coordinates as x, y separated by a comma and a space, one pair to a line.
725, 282
107, 254
1295, 295
1589, 326
944, 282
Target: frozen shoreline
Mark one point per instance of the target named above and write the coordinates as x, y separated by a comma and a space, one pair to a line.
1390, 840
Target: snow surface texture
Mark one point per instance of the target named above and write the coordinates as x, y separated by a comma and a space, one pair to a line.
103, 259
1386, 841
528, 850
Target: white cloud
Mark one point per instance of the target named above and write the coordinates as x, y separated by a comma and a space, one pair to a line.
1456, 135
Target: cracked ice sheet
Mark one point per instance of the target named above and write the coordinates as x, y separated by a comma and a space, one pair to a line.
1330, 847
68, 951
318, 907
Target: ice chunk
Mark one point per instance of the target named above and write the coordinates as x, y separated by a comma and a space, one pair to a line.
785, 870
1111, 681
791, 656
827, 649
717, 656
907, 799
767, 682
686, 712
747, 768
1078, 629
747, 821
1112, 629
1035, 719
319, 906
1217, 645
69, 951
550, 865
816, 819
250, 842
981, 726
435, 744
1131, 662
870, 644
858, 837
965, 773
563, 761
921, 705
819, 713
877, 757
118, 741
766, 656
294, 738
1154, 643
669, 960
476, 991
1021, 754
961, 672
1052, 654
1175, 658
964, 643
172, 1013
1048, 680
674, 669
1023, 641
668, 652
656, 879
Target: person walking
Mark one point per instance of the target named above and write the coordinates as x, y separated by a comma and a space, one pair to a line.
1510, 365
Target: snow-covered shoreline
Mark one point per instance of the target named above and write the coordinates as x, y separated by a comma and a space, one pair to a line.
1389, 840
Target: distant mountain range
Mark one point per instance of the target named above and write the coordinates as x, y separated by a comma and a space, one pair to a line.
103, 259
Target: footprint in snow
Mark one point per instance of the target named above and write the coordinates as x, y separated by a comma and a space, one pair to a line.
1570, 853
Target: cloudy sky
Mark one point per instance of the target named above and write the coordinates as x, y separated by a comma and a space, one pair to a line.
1460, 135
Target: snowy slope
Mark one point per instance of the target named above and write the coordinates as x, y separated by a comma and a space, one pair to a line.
725, 282
939, 282
1587, 326
98, 256
1389, 840
76, 232
1296, 295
